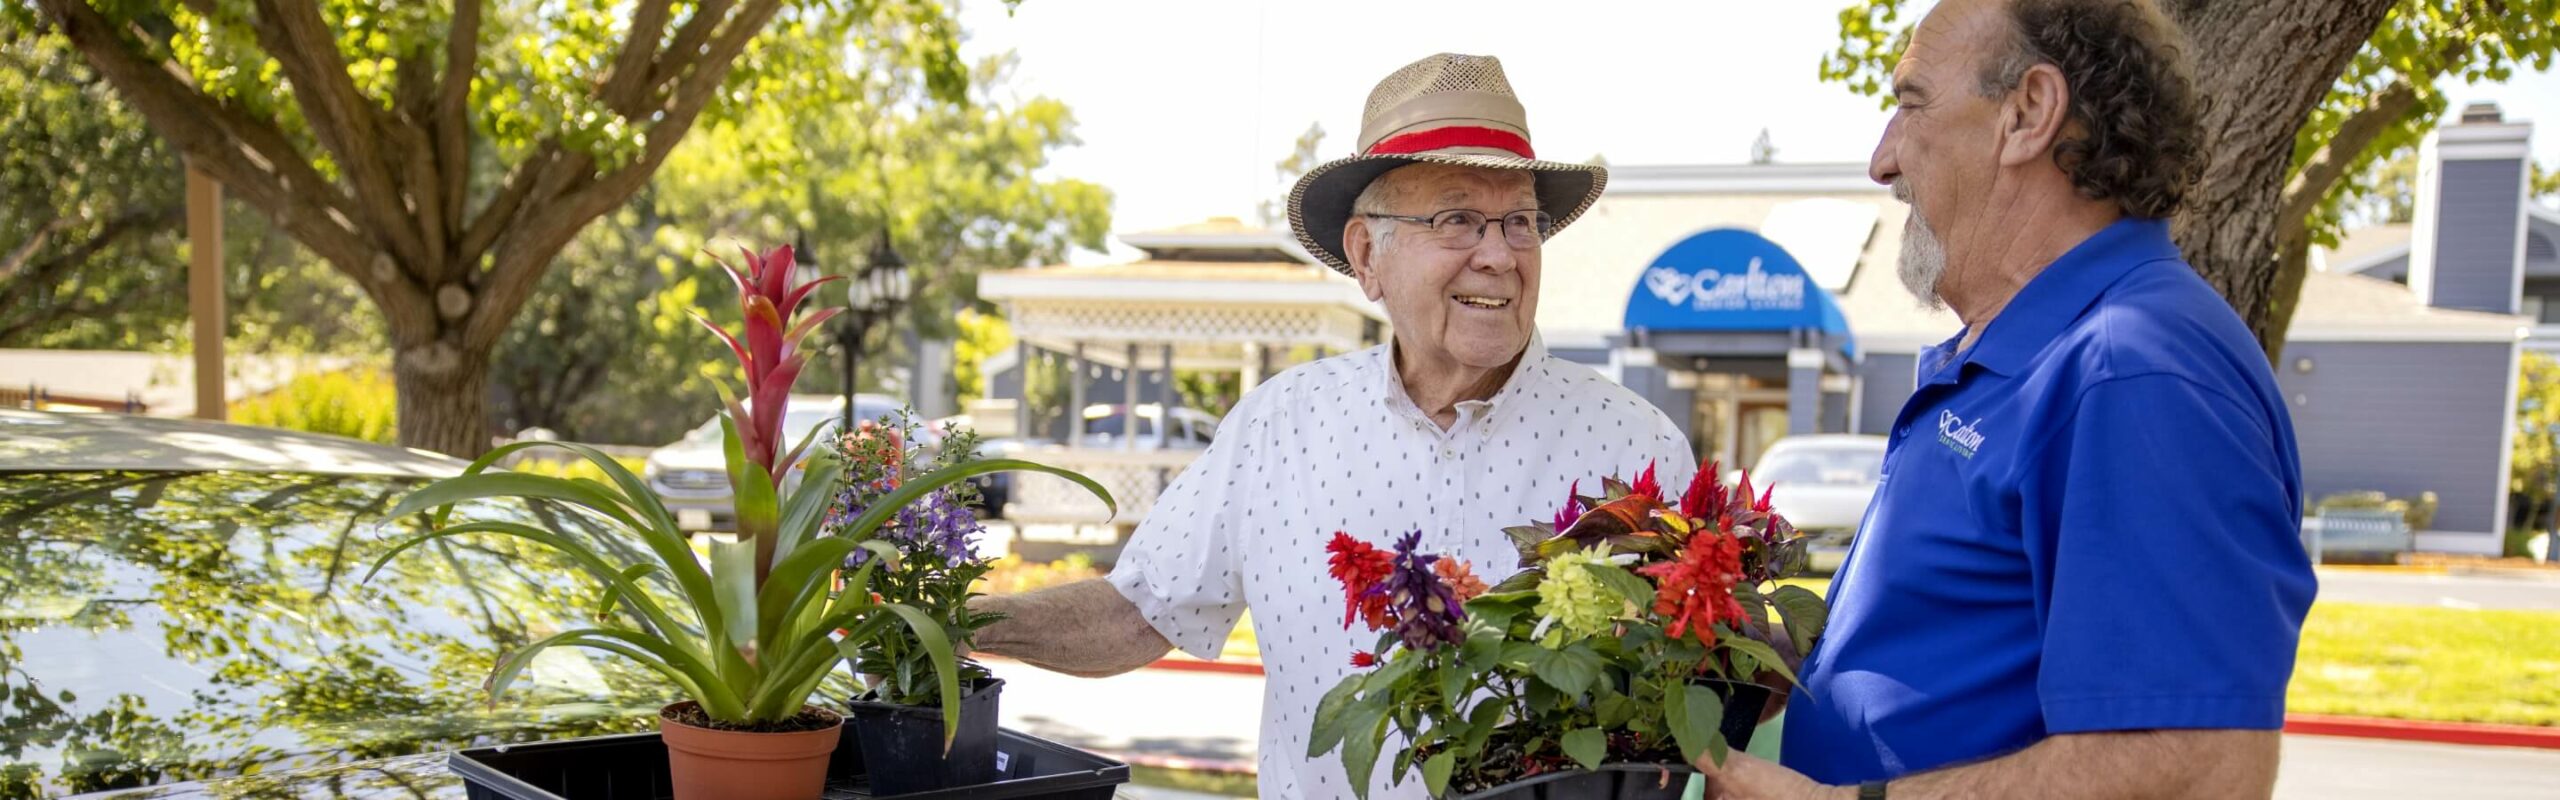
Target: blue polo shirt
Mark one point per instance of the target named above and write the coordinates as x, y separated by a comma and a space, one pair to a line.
2087, 522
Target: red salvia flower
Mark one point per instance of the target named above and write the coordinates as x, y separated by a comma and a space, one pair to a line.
1363, 659
1359, 566
1696, 591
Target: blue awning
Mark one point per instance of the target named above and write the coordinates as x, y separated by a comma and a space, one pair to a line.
1729, 279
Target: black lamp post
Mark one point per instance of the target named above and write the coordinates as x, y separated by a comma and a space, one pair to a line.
878, 289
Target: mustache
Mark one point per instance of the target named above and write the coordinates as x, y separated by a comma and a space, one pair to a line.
1902, 189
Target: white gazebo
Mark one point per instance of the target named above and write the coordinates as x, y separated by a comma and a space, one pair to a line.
1215, 296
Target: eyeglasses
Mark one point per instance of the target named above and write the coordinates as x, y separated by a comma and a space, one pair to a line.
1463, 228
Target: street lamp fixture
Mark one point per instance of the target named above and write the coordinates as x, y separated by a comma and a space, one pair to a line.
878, 290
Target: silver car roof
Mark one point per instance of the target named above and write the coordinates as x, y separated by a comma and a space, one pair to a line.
43, 441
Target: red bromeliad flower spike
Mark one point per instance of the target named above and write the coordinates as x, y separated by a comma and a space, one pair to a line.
769, 353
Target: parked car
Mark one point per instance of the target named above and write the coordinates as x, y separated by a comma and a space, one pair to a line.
184, 601
691, 474
1823, 482
1193, 428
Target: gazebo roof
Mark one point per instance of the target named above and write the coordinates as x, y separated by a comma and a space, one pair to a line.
1208, 289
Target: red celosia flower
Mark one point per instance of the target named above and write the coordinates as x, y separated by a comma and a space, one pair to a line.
1363, 659
1359, 566
1646, 484
1696, 591
1705, 494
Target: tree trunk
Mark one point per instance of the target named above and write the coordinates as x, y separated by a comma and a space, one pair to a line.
444, 397
2262, 67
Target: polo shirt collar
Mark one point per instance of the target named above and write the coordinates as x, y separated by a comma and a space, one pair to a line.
2057, 296
1532, 366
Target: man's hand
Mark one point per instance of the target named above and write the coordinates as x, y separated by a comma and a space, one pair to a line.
1085, 629
1748, 777
2126, 765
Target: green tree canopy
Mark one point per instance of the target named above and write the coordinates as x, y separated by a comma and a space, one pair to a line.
2350, 86
440, 154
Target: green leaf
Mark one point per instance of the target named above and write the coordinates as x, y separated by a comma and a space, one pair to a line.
807, 507
733, 583
1327, 731
1571, 670
1625, 583
946, 669
611, 592
1695, 714
1364, 729
1435, 772
1587, 746
1804, 613
1453, 686
1614, 710
1758, 651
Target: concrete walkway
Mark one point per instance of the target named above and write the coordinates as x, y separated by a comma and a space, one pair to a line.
1200, 719
2518, 592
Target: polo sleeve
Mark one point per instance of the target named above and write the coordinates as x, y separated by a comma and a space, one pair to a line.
1180, 566
2163, 525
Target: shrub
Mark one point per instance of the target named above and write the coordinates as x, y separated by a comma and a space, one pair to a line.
355, 403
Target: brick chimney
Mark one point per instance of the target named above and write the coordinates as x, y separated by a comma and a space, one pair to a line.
2466, 246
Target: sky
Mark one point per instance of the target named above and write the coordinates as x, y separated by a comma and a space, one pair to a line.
1183, 107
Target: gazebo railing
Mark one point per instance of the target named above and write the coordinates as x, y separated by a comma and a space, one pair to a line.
1134, 478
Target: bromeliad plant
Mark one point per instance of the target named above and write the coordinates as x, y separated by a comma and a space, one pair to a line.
1631, 625
751, 636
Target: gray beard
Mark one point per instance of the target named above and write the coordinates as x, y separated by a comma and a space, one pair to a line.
1924, 258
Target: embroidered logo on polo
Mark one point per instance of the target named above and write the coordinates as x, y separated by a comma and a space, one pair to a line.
1965, 438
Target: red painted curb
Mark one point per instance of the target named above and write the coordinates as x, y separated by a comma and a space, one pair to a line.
1195, 665
1181, 764
2409, 730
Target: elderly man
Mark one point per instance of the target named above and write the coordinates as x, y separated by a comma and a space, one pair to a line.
2080, 577
1463, 425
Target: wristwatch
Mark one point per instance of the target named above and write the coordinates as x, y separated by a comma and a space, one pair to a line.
1871, 790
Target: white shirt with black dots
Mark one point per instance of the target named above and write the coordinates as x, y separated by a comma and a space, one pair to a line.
1337, 445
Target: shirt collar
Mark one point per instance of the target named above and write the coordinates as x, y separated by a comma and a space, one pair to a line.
1532, 367
2057, 296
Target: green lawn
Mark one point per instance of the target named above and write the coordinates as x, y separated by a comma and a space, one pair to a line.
2415, 662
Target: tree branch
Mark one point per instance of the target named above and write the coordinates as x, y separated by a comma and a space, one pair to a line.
550, 225
2326, 166
340, 117
17, 259
628, 85
687, 49
252, 159
452, 122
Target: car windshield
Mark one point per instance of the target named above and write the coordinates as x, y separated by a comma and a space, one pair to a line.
1825, 464
167, 626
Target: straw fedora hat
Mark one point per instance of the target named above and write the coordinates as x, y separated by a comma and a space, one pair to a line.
1446, 109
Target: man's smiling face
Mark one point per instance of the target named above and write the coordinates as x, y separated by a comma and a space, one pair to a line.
1474, 307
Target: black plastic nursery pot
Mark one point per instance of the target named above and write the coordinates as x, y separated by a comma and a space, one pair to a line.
903, 744
634, 767
1610, 782
1742, 704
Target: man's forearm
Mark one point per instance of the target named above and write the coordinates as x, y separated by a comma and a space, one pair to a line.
2134, 765
1083, 628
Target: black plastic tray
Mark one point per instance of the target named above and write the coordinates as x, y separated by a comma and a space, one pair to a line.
634, 767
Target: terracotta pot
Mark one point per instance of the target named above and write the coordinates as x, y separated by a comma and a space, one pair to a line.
708, 764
